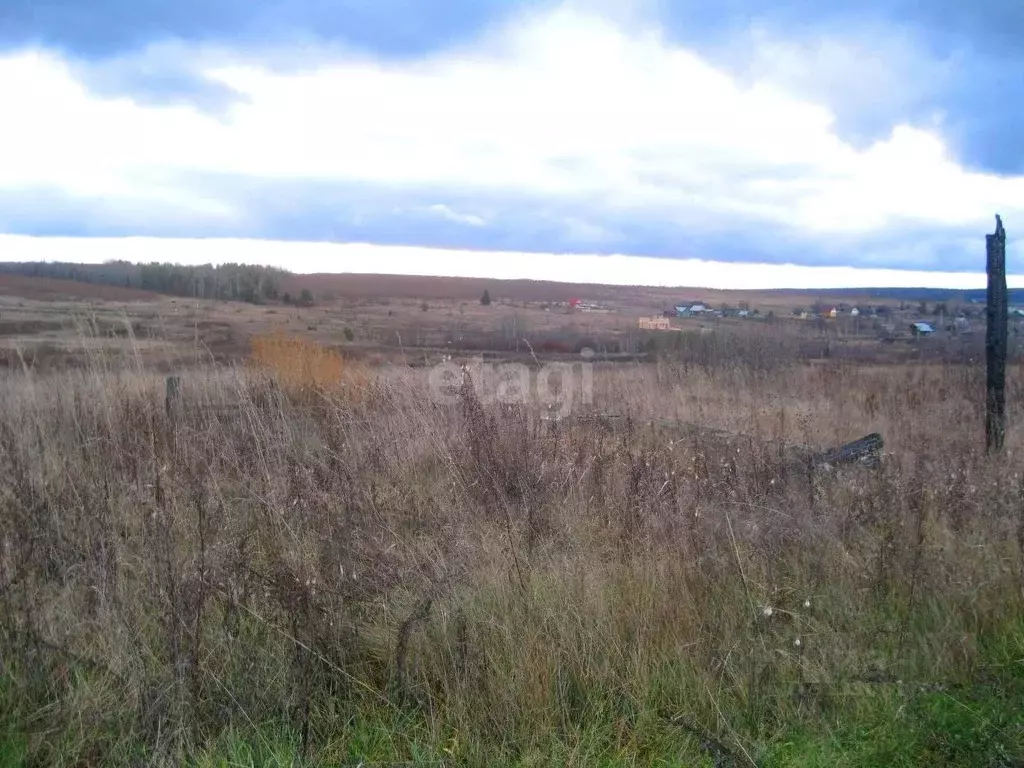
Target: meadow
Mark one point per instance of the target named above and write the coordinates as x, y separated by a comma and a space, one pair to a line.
307, 559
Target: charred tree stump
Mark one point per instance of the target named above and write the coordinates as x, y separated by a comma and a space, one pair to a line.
995, 340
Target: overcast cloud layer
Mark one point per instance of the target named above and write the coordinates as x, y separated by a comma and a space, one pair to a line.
884, 136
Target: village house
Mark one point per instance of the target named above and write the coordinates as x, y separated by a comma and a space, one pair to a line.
654, 324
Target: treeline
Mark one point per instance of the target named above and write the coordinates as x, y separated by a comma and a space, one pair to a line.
231, 282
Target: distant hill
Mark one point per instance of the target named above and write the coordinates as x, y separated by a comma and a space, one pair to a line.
1015, 295
466, 288
243, 282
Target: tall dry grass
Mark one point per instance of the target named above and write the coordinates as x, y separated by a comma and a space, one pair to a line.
246, 578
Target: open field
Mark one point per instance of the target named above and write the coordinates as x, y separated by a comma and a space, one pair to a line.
49, 289
317, 560
383, 318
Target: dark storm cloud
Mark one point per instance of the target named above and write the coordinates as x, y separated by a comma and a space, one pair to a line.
101, 28
967, 63
982, 98
98, 28
988, 25
106, 37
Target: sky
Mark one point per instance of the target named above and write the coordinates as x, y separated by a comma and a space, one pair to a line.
649, 141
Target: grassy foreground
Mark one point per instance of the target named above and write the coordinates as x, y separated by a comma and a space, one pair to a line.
273, 579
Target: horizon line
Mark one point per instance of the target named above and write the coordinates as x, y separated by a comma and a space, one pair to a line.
625, 270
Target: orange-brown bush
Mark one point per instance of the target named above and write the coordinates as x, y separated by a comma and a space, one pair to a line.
303, 366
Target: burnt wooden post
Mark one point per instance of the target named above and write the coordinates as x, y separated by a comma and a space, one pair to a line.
995, 339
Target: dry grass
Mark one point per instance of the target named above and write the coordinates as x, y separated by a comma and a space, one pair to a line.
49, 289
249, 581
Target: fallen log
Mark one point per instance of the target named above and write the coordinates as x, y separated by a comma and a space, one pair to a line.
865, 451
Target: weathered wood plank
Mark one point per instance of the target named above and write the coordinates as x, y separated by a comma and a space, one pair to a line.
172, 386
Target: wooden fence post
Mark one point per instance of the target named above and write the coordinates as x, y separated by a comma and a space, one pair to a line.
173, 393
995, 339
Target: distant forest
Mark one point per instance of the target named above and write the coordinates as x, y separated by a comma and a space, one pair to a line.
231, 282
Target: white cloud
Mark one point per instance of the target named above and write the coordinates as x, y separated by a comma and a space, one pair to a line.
365, 258
561, 105
443, 211
56, 136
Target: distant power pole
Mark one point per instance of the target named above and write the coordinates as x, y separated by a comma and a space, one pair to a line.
995, 339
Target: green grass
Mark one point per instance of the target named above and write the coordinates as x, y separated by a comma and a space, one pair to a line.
977, 723
983, 727
589, 719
